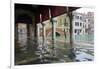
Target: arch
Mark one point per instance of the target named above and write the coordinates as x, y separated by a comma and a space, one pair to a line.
58, 31
57, 34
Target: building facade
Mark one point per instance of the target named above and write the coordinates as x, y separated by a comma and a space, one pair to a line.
62, 27
83, 24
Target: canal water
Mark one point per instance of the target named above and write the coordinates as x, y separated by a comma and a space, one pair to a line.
29, 51
85, 38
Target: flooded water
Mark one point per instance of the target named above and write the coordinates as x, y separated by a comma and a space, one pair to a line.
30, 51
85, 38
84, 53
84, 47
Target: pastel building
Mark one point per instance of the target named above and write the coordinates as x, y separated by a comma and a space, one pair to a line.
83, 24
62, 26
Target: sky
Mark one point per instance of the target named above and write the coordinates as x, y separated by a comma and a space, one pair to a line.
85, 10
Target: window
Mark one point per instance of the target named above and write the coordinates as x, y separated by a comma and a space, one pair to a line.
77, 17
80, 30
80, 18
65, 22
75, 30
88, 20
85, 30
83, 25
76, 23
80, 24
88, 25
84, 20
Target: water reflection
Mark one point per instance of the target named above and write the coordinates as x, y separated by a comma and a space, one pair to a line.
34, 53
37, 52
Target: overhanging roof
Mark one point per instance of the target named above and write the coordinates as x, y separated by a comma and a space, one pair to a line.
44, 10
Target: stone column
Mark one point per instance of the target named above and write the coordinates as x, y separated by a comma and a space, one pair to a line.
43, 34
16, 31
65, 27
69, 14
71, 29
38, 32
72, 52
53, 37
28, 31
53, 33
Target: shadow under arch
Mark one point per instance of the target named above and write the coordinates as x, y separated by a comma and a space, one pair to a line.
23, 16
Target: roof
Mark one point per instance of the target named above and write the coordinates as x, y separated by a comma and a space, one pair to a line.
44, 10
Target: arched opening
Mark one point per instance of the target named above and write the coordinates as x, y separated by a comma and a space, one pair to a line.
22, 27
24, 18
58, 34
